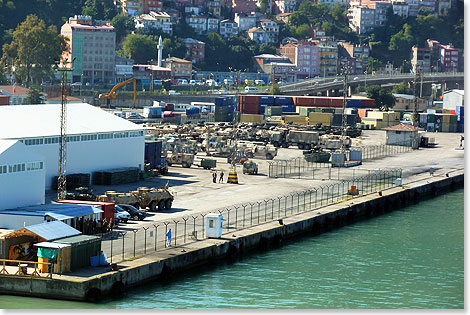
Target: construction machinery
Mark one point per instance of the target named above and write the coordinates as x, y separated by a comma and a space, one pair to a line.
238, 157
143, 197
112, 93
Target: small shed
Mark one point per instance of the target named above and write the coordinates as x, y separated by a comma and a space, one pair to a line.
83, 247
59, 254
403, 134
18, 244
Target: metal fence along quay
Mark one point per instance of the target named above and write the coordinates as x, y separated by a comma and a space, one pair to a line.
301, 168
127, 245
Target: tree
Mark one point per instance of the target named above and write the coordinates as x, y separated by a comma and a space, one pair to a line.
139, 47
34, 97
263, 6
402, 88
266, 49
123, 25
100, 9
298, 18
33, 50
275, 89
384, 100
174, 47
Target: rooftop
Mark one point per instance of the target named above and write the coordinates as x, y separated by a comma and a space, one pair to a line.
13, 90
53, 230
403, 127
29, 121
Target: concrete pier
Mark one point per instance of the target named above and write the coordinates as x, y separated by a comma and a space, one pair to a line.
94, 283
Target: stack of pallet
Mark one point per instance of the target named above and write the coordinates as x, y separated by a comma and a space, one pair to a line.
73, 181
116, 176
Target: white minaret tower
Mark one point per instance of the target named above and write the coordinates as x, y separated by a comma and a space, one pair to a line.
160, 51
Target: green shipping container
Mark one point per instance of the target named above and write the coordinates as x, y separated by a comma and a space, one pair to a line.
218, 117
273, 111
83, 247
304, 111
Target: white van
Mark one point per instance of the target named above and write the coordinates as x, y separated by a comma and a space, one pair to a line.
250, 89
259, 82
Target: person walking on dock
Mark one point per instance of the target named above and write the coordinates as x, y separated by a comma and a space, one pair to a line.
214, 177
168, 238
221, 178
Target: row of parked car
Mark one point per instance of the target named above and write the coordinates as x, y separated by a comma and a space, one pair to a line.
124, 213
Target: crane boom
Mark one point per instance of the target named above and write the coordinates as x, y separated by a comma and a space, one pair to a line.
112, 93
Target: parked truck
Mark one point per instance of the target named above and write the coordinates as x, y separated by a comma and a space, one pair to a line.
143, 197
303, 139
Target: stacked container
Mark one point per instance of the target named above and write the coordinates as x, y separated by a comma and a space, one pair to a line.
224, 108
460, 120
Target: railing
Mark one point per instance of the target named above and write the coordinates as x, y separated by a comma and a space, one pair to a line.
301, 168
23, 268
120, 245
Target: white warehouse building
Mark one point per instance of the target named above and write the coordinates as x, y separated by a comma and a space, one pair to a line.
96, 140
21, 175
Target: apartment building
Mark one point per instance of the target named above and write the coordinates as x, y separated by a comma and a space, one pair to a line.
400, 7
198, 23
334, 2
303, 54
361, 18
358, 55
279, 66
213, 24
421, 59
154, 20
195, 49
245, 22
272, 30
180, 68
328, 59
92, 44
244, 6
284, 6
133, 7
228, 28
153, 6
258, 34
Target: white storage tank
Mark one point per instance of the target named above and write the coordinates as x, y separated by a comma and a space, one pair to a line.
214, 225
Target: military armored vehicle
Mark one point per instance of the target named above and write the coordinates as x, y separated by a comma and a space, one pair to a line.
143, 197
316, 155
250, 167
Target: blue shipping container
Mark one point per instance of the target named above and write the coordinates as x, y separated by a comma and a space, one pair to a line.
283, 100
192, 110
288, 109
353, 103
459, 110
261, 109
153, 153
220, 101
230, 100
266, 100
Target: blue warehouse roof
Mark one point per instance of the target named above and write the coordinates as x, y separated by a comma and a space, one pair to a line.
53, 230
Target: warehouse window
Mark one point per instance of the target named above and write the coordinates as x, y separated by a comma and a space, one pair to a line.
14, 168
137, 133
51, 140
3, 169
73, 138
103, 136
32, 166
89, 137
122, 134
34, 141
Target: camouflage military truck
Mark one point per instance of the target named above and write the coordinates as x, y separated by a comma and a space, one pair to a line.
250, 168
143, 197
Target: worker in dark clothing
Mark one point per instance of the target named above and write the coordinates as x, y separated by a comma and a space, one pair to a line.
214, 177
221, 178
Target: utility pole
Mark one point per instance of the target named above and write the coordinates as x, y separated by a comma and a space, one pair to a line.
61, 180
343, 115
415, 99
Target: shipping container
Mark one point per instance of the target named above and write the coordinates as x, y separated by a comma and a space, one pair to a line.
273, 110
152, 112
107, 207
354, 102
192, 110
288, 108
296, 120
153, 154
251, 118
83, 248
304, 111
249, 108
253, 99
283, 100
336, 102
266, 100
323, 118
261, 109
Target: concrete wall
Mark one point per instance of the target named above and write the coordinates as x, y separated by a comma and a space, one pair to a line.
23, 188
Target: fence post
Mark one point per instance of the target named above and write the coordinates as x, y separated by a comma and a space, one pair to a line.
244, 208
236, 217
166, 231
123, 234
259, 203
285, 205
251, 214
156, 226
203, 225
145, 240
184, 235
279, 207
111, 249
135, 231
272, 209
265, 210
194, 226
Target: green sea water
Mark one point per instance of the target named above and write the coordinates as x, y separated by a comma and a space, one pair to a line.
409, 258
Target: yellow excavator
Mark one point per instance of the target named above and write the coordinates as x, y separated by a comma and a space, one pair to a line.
112, 93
